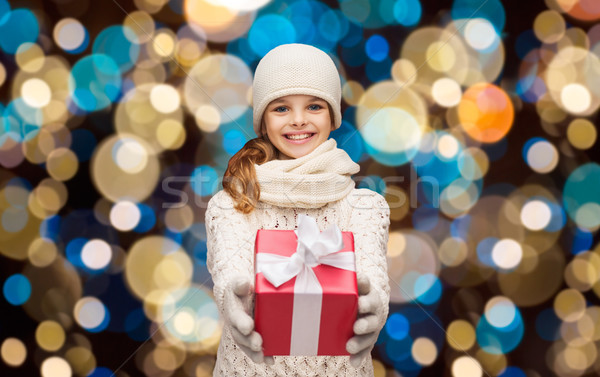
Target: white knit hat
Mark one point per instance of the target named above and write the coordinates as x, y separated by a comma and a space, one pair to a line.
295, 69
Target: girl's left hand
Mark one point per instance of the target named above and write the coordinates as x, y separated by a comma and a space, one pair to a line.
367, 326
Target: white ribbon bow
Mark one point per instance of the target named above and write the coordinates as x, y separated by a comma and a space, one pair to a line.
314, 248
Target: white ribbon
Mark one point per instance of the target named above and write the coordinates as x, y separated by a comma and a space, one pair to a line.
314, 248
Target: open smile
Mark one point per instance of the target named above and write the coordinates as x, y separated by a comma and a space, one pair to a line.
300, 138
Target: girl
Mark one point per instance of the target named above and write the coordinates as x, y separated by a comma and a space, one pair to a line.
293, 168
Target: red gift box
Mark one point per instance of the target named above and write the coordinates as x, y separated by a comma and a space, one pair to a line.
300, 330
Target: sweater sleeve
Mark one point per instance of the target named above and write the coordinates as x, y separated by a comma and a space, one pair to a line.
230, 245
370, 221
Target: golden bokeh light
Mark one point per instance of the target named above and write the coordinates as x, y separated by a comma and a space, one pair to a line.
55, 366
170, 134
460, 335
120, 163
569, 305
466, 366
81, 359
179, 219
156, 263
220, 81
452, 251
404, 72
13, 352
2, 74
396, 244
220, 22
352, 91
207, 118
36, 93
62, 164
163, 44
141, 113
50, 335
424, 351
582, 134
164, 98
549, 26
141, 25
42, 252
446, 92
30, 57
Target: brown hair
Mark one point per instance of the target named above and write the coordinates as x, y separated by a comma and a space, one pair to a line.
240, 181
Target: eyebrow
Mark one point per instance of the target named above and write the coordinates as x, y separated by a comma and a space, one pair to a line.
283, 100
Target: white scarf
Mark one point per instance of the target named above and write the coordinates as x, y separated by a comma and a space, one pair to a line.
310, 181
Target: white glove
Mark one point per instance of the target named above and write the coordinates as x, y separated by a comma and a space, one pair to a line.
237, 296
366, 328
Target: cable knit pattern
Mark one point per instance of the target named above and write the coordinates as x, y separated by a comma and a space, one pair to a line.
230, 243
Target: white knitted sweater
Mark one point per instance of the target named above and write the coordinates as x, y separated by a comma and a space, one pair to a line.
230, 243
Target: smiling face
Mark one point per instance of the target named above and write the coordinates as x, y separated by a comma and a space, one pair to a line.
289, 119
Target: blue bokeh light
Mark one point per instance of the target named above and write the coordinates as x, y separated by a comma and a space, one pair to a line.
101, 372
137, 325
428, 289
147, 219
492, 10
582, 241
353, 36
17, 27
377, 48
270, 31
408, 12
95, 82
4, 9
120, 44
233, 141
204, 180
21, 122
547, 325
73, 253
526, 42
332, 25
580, 195
397, 326
500, 340
349, 140
399, 349
379, 70
484, 251
425, 218
512, 372
17, 289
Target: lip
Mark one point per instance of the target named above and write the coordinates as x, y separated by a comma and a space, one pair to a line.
303, 141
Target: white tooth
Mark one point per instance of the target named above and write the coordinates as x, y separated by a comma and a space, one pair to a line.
298, 137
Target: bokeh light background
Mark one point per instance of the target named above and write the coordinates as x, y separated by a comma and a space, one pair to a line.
475, 118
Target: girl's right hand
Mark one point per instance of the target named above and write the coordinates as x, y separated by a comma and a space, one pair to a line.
242, 325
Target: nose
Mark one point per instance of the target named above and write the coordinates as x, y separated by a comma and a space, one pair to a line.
298, 118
